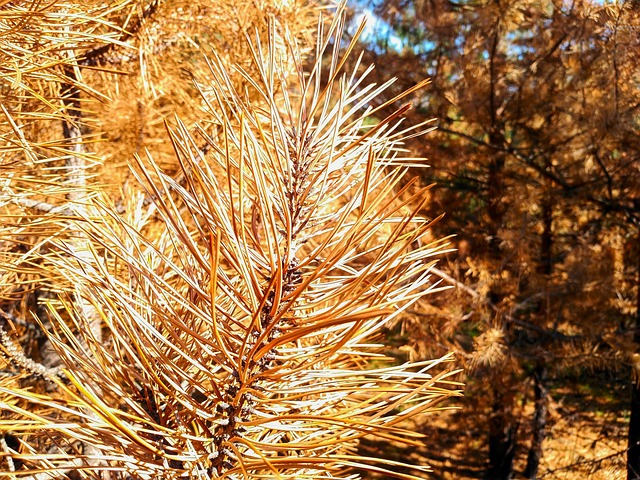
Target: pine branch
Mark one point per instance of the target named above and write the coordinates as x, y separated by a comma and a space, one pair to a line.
554, 334
579, 463
238, 320
17, 356
97, 55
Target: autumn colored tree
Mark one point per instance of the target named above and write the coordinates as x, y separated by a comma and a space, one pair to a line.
537, 160
204, 231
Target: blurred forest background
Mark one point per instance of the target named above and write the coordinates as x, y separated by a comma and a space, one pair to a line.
536, 161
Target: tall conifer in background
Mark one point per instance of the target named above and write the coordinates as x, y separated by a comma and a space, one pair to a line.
202, 295
537, 161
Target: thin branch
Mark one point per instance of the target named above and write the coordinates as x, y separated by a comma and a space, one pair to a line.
445, 276
584, 462
42, 206
485, 301
96, 56
5, 449
606, 205
17, 355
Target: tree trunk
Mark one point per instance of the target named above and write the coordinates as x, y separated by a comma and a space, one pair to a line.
633, 452
502, 439
545, 268
502, 427
539, 421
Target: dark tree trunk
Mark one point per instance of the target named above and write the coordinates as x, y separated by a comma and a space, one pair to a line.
545, 268
539, 421
502, 440
545, 263
502, 427
633, 453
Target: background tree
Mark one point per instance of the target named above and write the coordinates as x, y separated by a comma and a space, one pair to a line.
211, 314
536, 158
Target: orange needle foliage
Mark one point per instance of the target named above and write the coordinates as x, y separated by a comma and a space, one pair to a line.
242, 301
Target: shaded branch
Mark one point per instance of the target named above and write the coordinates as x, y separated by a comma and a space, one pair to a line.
17, 355
583, 462
607, 205
96, 56
485, 301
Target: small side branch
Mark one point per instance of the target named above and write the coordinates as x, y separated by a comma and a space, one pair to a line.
96, 56
17, 355
448, 278
485, 301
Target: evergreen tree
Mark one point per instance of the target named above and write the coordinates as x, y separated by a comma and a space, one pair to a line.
536, 158
201, 295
